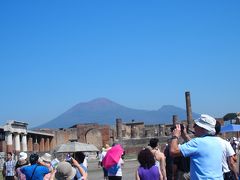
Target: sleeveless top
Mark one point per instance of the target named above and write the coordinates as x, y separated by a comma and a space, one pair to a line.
149, 174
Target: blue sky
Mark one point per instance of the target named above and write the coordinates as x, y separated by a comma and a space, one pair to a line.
141, 54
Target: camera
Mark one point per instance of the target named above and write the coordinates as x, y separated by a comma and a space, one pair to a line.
181, 125
69, 158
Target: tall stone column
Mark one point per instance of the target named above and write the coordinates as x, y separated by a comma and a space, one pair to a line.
42, 145
163, 130
24, 142
9, 141
36, 145
46, 145
119, 129
30, 144
189, 110
17, 142
133, 131
174, 120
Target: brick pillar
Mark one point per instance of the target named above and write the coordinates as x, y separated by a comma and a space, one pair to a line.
42, 145
51, 143
189, 111
46, 145
119, 129
9, 141
30, 144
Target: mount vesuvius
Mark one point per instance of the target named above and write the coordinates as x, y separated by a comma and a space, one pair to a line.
105, 111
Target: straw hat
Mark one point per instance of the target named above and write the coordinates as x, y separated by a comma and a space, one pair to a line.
46, 157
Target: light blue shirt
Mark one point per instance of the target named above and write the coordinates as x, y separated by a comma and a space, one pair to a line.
205, 157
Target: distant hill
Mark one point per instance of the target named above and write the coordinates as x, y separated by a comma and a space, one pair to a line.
105, 111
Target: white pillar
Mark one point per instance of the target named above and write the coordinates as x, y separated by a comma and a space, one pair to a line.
17, 142
24, 142
9, 138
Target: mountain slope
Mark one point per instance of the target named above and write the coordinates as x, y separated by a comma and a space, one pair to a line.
105, 111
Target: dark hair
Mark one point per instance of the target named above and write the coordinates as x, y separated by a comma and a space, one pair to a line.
33, 159
153, 142
146, 158
217, 127
9, 153
79, 156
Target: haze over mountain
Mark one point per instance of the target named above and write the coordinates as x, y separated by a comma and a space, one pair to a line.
105, 111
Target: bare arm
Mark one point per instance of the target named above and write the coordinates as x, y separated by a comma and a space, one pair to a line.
81, 170
52, 177
174, 149
137, 176
233, 166
185, 135
160, 174
163, 165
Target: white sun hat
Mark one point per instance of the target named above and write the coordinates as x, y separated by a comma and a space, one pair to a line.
206, 122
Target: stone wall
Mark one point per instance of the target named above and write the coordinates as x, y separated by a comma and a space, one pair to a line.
133, 146
85, 133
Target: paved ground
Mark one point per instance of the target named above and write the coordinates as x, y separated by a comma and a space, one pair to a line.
129, 168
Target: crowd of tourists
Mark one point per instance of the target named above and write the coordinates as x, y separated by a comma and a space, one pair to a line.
204, 154
197, 156
44, 167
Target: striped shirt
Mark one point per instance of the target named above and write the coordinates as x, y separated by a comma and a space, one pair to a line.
10, 167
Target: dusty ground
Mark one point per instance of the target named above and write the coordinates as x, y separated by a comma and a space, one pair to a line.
129, 168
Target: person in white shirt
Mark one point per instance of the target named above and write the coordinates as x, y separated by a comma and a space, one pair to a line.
230, 171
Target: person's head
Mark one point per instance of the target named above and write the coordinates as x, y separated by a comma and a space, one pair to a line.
22, 157
217, 127
204, 125
146, 158
65, 171
107, 147
153, 142
79, 156
47, 158
9, 156
33, 159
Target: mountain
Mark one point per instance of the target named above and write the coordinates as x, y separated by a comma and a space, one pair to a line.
105, 111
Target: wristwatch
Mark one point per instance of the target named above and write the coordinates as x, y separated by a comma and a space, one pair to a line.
174, 137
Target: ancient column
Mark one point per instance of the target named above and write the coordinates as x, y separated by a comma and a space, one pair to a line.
17, 142
133, 131
189, 110
163, 130
36, 145
119, 129
46, 145
174, 120
42, 145
24, 142
9, 141
30, 144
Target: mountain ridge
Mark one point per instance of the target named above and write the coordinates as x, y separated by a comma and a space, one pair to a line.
105, 111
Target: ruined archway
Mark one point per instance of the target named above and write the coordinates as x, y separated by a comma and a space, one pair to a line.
94, 136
